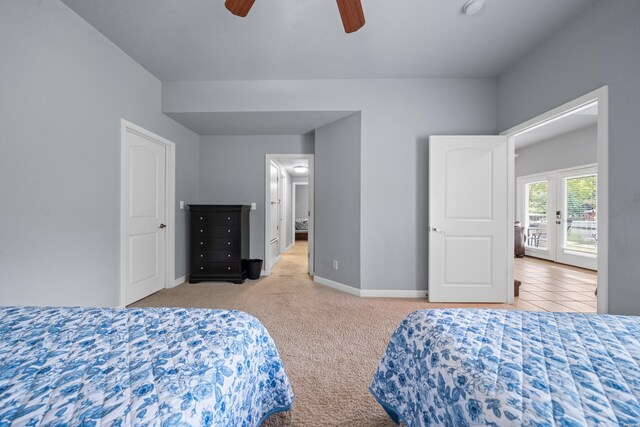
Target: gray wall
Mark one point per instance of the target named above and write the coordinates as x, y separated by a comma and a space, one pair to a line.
232, 172
337, 201
572, 149
302, 201
64, 88
397, 118
599, 48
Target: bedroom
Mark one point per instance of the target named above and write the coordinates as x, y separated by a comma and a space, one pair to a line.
65, 87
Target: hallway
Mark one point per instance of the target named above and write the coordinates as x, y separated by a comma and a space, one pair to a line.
294, 261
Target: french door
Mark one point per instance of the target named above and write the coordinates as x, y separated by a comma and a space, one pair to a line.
558, 211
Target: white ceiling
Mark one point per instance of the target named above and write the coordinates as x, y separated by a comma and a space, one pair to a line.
293, 39
257, 123
288, 165
573, 122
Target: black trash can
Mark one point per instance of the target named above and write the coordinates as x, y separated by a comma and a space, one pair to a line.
254, 266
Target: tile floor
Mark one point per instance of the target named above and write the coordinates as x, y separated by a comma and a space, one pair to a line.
547, 286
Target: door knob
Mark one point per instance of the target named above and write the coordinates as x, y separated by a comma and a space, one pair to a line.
437, 230
162, 226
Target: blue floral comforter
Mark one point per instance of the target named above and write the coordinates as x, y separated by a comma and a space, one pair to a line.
152, 366
511, 368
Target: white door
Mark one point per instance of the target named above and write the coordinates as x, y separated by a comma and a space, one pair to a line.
558, 213
274, 214
145, 216
576, 219
468, 214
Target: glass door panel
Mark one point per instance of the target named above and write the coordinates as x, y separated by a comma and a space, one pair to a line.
537, 213
577, 218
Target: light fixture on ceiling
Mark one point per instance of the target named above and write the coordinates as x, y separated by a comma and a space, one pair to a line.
301, 169
350, 12
472, 7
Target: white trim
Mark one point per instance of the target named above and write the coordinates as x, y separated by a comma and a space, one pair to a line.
601, 96
170, 196
263, 273
267, 212
289, 247
511, 171
369, 293
179, 281
391, 293
335, 285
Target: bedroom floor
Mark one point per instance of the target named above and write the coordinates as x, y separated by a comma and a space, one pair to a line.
548, 286
330, 342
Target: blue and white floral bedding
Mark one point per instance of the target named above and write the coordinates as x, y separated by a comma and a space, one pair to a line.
152, 366
511, 368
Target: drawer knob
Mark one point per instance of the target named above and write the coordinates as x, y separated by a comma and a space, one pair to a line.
201, 256
201, 268
229, 218
229, 256
201, 231
228, 231
228, 268
202, 243
228, 243
201, 218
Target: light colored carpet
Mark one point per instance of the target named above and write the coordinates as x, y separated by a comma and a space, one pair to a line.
330, 342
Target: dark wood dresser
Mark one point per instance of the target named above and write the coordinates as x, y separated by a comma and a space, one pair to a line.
219, 243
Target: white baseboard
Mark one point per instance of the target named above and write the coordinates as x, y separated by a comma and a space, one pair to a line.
263, 273
391, 293
336, 285
290, 246
369, 293
179, 281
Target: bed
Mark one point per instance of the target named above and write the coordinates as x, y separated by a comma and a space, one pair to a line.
511, 368
152, 366
302, 228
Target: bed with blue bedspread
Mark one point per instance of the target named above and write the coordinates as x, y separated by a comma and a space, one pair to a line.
511, 368
152, 366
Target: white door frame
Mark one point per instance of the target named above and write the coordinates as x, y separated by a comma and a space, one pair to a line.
170, 195
601, 96
267, 212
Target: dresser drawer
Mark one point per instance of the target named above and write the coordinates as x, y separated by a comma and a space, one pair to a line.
215, 256
215, 218
216, 268
213, 231
199, 243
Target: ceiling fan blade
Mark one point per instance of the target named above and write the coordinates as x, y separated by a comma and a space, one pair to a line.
351, 14
239, 7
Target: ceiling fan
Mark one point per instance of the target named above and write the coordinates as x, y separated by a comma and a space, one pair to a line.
350, 12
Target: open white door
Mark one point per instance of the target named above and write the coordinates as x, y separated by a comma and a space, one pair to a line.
468, 214
145, 216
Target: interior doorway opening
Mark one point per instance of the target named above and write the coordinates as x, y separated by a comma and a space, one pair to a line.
289, 215
559, 189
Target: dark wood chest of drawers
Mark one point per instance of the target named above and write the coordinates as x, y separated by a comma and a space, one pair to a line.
219, 236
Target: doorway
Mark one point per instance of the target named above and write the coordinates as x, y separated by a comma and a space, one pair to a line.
464, 187
147, 217
569, 223
289, 218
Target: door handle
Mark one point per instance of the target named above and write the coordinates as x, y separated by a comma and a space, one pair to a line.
437, 230
162, 226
